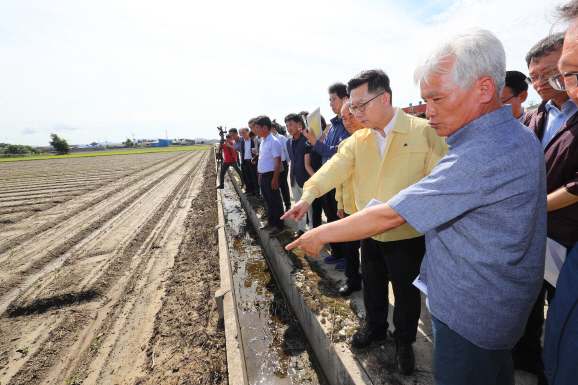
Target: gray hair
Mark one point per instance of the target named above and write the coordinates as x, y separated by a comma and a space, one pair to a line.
569, 12
477, 53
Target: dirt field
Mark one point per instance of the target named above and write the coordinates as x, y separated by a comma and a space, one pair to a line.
108, 268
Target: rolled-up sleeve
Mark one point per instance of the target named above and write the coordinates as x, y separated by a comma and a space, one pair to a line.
450, 190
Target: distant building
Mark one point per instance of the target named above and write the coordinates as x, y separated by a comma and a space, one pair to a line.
162, 143
412, 110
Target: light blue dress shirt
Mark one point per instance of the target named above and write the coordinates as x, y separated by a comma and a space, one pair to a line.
283, 140
556, 119
483, 212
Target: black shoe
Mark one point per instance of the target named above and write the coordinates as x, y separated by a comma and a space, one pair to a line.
220, 187
404, 358
364, 337
349, 288
275, 232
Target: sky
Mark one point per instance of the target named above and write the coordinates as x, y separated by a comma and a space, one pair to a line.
95, 70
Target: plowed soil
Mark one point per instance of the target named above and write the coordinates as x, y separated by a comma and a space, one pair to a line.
108, 268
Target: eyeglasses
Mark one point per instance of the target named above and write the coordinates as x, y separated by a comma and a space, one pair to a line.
504, 101
565, 81
544, 75
361, 107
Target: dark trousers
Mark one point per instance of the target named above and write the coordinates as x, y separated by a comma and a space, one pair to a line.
224, 167
255, 177
330, 209
284, 185
352, 261
457, 361
248, 176
527, 353
398, 262
272, 201
317, 208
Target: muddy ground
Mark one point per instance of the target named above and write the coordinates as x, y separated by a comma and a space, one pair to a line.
108, 268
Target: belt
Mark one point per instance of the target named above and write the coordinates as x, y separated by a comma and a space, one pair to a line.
267, 173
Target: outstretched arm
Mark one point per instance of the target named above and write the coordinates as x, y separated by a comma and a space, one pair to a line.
361, 225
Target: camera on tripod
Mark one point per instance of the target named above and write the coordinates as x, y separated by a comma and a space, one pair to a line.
219, 153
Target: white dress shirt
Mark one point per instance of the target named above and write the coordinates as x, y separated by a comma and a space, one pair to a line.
270, 149
382, 140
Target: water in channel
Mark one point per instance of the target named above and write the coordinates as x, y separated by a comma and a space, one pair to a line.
276, 350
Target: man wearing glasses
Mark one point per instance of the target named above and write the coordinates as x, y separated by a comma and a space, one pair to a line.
515, 93
327, 148
394, 151
555, 122
561, 339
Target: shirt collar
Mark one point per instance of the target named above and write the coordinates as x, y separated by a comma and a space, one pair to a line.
336, 120
566, 107
389, 126
268, 137
477, 126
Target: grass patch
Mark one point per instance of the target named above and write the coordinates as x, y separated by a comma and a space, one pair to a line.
123, 151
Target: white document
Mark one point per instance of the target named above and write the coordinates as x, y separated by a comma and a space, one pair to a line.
555, 257
420, 285
373, 202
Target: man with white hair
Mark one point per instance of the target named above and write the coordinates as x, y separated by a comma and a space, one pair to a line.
482, 210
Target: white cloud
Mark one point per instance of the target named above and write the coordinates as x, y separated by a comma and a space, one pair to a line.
114, 68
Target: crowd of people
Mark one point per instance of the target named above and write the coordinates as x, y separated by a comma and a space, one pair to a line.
467, 198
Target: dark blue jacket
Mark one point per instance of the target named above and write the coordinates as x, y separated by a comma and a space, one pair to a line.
298, 172
560, 353
337, 133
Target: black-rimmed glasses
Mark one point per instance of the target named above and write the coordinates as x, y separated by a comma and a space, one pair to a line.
361, 107
507, 100
564, 81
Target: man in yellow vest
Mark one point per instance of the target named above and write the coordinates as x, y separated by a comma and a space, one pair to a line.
394, 151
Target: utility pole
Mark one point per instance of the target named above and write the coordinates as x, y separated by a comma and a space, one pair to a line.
105, 141
133, 139
167, 135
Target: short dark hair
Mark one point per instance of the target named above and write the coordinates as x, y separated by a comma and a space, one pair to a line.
228, 136
377, 82
251, 121
546, 46
293, 117
233, 130
568, 12
421, 115
251, 134
323, 123
516, 81
340, 89
263, 121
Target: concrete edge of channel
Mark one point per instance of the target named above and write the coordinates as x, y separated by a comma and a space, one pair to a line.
236, 369
338, 365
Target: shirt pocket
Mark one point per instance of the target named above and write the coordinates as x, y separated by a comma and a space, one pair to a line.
410, 163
